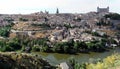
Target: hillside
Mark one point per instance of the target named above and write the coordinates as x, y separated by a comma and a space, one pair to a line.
12, 60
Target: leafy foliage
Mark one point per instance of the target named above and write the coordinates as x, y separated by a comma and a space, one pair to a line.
4, 31
114, 16
107, 63
110, 62
23, 19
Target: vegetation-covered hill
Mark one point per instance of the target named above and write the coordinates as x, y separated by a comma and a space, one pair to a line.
12, 60
110, 62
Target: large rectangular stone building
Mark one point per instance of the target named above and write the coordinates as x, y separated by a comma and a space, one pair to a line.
103, 10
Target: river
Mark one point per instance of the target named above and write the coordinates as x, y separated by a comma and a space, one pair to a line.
56, 58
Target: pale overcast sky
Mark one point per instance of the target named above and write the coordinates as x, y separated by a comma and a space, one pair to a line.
65, 6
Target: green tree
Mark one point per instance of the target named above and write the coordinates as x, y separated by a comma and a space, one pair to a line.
23, 19
65, 49
76, 46
14, 45
35, 48
114, 16
5, 31
57, 47
45, 48
72, 62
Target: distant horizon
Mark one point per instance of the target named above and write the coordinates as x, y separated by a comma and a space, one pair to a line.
64, 6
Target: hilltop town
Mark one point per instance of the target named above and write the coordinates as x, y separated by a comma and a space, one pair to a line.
63, 27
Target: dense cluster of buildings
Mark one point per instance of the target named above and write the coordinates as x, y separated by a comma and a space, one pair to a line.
65, 26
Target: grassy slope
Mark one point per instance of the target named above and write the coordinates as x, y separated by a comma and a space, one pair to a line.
110, 62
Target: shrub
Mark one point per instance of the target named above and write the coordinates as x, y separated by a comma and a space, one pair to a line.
14, 45
6, 48
35, 48
114, 16
23, 19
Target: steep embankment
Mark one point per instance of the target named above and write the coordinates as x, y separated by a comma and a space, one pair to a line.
12, 60
110, 62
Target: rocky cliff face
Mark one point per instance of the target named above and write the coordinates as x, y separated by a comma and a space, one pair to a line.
22, 61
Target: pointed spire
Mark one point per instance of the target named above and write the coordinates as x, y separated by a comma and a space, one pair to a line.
57, 11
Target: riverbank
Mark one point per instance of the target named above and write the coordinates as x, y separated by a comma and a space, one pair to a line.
56, 58
42, 60
110, 62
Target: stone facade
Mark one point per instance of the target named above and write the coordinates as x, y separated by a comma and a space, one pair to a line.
103, 10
